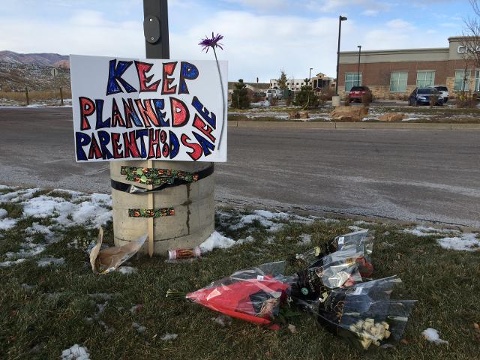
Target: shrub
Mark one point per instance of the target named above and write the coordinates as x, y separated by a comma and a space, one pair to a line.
367, 99
306, 98
466, 100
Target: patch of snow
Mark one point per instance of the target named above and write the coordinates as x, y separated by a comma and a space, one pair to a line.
50, 261
426, 231
248, 239
432, 336
11, 263
126, 270
139, 328
6, 223
465, 242
168, 337
76, 352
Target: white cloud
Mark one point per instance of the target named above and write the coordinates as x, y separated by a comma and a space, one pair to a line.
89, 18
399, 24
261, 37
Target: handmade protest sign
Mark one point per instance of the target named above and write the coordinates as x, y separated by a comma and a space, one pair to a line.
151, 109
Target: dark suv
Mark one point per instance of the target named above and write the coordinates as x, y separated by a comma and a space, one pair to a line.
359, 94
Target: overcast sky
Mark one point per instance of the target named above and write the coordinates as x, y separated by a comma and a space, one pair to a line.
262, 37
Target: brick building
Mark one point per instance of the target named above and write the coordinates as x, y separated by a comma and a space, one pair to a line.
393, 74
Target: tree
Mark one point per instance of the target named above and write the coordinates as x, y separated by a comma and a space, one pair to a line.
240, 98
306, 98
282, 81
471, 41
470, 53
282, 84
471, 38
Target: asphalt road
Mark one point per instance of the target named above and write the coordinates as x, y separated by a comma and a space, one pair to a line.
396, 171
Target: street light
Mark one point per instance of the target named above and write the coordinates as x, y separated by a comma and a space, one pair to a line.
340, 19
310, 76
358, 67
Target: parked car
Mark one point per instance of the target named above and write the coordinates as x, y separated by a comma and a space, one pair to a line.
444, 91
423, 96
259, 94
359, 93
274, 93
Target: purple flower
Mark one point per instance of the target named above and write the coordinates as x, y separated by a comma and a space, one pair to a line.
213, 42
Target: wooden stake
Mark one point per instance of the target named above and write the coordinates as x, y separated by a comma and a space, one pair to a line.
150, 220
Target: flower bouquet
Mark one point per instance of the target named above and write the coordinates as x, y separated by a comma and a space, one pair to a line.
362, 242
330, 287
364, 313
254, 295
343, 263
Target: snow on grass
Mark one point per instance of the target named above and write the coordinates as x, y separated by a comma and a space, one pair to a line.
464, 242
94, 210
432, 335
451, 239
421, 230
76, 352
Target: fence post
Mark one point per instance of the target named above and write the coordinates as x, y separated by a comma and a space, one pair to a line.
61, 96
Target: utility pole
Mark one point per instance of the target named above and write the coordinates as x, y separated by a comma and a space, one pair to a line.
358, 67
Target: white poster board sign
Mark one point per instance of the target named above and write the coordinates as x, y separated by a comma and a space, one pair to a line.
150, 109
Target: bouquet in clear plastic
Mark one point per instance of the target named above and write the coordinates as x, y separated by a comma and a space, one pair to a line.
359, 242
334, 288
342, 263
364, 313
330, 286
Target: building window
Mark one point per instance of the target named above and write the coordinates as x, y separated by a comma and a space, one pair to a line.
352, 79
462, 80
425, 78
398, 81
477, 81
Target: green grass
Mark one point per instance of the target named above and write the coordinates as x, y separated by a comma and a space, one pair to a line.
45, 310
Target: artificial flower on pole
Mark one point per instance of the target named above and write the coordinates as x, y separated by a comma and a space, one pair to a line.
213, 43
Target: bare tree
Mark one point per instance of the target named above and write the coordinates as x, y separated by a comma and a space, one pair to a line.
470, 44
471, 40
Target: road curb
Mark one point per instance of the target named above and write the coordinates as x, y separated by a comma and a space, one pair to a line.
351, 125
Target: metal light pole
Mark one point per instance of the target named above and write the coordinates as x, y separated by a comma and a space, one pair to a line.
358, 67
310, 76
340, 19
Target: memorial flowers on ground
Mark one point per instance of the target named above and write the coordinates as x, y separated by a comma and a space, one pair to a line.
333, 284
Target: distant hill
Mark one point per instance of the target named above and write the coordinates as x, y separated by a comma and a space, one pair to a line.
45, 59
40, 72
